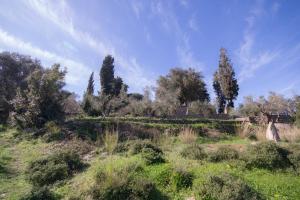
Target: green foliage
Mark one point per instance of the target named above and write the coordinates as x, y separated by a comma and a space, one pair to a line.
226, 187
298, 115
266, 155
221, 102
152, 156
295, 160
43, 101
14, 71
90, 87
225, 83
139, 145
123, 184
39, 193
48, 170
186, 85
194, 152
223, 153
107, 75
181, 179
53, 132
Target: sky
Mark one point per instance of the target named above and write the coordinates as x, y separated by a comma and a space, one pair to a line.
149, 37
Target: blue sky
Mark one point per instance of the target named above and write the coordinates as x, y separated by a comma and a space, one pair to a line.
148, 37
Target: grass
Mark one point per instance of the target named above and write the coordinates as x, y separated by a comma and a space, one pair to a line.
16, 154
15, 157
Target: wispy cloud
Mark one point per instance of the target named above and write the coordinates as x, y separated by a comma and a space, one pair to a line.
170, 23
249, 61
193, 24
137, 7
61, 14
76, 70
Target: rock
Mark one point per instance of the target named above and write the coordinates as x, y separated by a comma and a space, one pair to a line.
271, 133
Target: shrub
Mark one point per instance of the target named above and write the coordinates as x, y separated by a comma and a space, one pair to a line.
152, 156
138, 146
295, 160
226, 187
121, 184
39, 193
223, 153
187, 136
181, 179
266, 155
53, 132
194, 152
48, 170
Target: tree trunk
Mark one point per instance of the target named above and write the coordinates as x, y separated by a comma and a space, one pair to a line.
271, 133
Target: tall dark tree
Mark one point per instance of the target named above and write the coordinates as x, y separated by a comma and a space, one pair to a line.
227, 81
88, 96
118, 83
90, 87
107, 76
185, 85
220, 99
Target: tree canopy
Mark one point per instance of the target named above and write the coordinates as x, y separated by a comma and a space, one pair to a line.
225, 83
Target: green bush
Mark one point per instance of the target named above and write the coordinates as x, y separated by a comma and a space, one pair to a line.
48, 170
39, 194
266, 155
194, 152
181, 179
152, 156
295, 160
226, 187
139, 145
122, 185
53, 132
223, 153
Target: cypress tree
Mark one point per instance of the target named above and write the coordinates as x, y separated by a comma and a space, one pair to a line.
90, 87
220, 97
226, 79
107, 75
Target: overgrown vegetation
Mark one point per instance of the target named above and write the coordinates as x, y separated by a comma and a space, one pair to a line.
56, 167
227, 187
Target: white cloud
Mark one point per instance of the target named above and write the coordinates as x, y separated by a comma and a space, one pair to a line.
249, 61
171, 25
186, 56
137, 7
76, 70
193, 24
61, 14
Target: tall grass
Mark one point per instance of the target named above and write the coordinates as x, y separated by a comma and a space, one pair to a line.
110, 140
187, 136
289, 133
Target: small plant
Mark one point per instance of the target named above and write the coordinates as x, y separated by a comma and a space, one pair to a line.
187, 136
266, 155
223, 153
39, 193
152, 156
194, 152
181, 179
56, 167
226, 187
